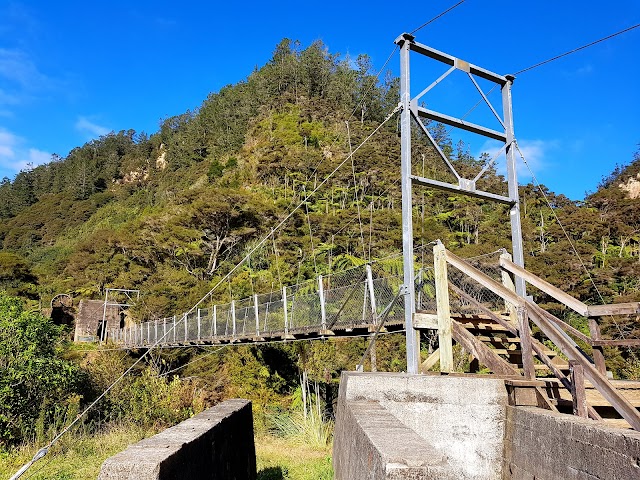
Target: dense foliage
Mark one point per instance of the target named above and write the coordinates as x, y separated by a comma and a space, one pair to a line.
34, 381
172, 212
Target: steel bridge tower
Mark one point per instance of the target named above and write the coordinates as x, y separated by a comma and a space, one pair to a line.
413, 114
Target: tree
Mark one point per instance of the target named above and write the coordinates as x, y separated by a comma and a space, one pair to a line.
16, 277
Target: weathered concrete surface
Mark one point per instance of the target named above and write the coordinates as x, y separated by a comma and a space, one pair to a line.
89, 318
392, 426
215, 444
544, 445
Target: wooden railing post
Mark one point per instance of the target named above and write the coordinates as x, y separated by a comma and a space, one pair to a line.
578, 392
525, 342
198, 324
185, 316
598, 355
507, 281
444, 313
323, 312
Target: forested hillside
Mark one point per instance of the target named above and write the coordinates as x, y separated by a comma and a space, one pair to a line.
170, 213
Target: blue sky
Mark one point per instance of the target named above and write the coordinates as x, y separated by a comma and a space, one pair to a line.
71, 71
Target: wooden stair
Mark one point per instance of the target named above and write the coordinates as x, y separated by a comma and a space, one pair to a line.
505, 344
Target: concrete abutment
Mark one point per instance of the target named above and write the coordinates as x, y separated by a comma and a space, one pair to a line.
216, 444
399, 426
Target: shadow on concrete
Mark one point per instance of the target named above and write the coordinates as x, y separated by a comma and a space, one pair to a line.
271, 473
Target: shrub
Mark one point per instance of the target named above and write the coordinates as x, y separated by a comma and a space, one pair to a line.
35, 382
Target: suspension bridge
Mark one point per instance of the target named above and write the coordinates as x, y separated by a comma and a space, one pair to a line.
480, 303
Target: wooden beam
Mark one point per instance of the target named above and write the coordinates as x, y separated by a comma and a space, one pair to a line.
525, 342
633, 342
507, 281
632, 308
442, 302
577, 389
430, 361
484, 354
569, 329
546, 287
598, 354
543, 400
425, 321
483, 279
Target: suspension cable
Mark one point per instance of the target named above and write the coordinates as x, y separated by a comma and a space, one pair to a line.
313, 249
355, 187
43, 451
566, 234
437, 17
608, 37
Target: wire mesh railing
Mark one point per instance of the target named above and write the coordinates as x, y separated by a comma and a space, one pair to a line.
489, 264
346, 300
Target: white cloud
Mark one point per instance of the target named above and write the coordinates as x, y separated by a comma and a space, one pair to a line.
15, 156
533, 151
8, 142
21, 81
85, 125
9, 98
586, 70
17, 67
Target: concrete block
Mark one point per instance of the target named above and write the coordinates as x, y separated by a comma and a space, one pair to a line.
460, 420
552, 446
216, 444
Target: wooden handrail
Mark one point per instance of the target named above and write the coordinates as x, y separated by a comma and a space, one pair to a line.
553, 333
546, 287
631, 308
536, 346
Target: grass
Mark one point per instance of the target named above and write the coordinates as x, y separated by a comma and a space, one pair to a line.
296, 447
284, 456
76, 457
289, 458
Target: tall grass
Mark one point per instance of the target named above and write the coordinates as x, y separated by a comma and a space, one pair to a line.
78, 456
310, 429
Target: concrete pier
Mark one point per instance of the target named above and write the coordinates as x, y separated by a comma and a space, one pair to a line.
393, 426
216, 444
398, 426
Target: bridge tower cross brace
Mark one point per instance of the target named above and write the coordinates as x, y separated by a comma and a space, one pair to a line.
411, 114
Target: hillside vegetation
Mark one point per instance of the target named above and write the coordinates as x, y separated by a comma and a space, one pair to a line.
171, 213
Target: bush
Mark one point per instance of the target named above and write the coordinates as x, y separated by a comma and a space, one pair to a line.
37, 386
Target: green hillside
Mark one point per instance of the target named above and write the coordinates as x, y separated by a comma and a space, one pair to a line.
172, 212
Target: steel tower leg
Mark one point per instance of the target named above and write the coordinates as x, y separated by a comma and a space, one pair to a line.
413, 348
512, 179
